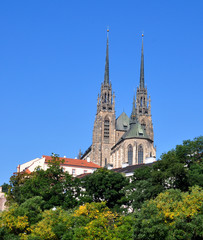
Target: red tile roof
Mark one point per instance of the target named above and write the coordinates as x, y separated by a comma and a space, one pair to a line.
27, 171
74, 162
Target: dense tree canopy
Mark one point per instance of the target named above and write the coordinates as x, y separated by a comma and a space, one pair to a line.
5, 187
56, 187
179, 168
105, 185
171, 215
163, 201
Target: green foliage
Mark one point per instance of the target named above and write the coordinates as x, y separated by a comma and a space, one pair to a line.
182, 167
89, 221
56, 187
166, 199
171, 215
105, 185
5, 187
32, 208
178, 169
140, 188
11, 223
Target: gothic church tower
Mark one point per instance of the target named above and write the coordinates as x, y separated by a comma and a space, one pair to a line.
143, 103
104, 125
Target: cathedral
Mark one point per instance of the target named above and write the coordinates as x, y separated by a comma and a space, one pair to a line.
122, 140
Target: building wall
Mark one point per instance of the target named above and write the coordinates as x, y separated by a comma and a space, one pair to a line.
37, 162
101, 146
118, 135
40, 162
147, 120
75, 171
119, 154
2, 200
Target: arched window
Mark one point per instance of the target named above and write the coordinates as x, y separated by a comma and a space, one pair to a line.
141, 102
106, 129
130, 155
140, 154
105, 98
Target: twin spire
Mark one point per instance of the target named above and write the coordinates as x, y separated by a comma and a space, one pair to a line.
133, 117
106, 73
142, 67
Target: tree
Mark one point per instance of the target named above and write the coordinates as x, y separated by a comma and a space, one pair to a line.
50, 225
56, 187
105, 186
89, 221
12, 224
140, 188
171, 215
178, 166
5, 187
32, 208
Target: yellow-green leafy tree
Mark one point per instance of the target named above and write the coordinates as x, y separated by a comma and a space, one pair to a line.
171, 215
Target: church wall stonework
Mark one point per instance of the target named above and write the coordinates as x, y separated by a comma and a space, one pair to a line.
117, 141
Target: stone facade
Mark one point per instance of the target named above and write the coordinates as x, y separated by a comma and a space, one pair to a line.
122, 140
2, 200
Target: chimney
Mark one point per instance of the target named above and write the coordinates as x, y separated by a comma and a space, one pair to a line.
88, 159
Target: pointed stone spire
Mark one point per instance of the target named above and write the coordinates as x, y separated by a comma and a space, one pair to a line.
133, 116
142, 67
106, 74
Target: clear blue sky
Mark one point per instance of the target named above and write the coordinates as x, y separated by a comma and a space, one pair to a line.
52, 57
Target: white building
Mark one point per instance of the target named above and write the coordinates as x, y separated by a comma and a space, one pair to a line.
74, 167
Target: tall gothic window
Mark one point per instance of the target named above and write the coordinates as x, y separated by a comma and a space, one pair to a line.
130, 155
140, 154
106, 129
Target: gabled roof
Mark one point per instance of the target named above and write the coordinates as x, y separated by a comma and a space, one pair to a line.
122, 122
74, 162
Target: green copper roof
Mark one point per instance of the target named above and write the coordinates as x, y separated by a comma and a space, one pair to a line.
122, 122
135, 131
